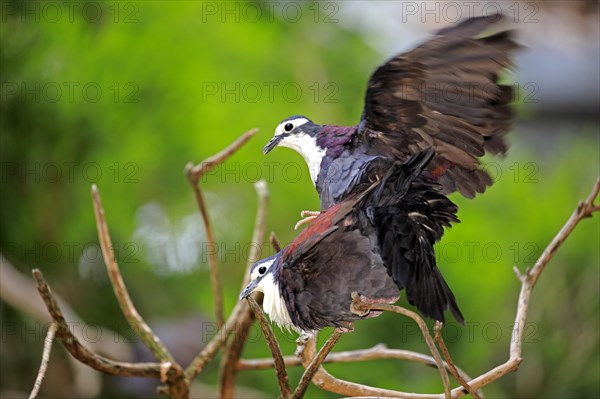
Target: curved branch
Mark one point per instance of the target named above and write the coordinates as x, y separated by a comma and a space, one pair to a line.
233, 351
326, 381
127, 307
377, 352
195, 172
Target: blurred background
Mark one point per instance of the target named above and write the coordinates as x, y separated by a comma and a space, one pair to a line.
123, 94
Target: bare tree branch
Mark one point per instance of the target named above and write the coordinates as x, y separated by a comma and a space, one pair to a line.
213, 260
80, 352
45, 358
233, 350
282, 377
194, 173
451, 367
274, 242
260, 228
136, 321
379, 351
177, 382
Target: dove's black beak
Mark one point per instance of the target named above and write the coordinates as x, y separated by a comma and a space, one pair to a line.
273, 143
249, 289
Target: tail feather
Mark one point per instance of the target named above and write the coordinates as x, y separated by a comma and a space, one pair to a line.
409, 215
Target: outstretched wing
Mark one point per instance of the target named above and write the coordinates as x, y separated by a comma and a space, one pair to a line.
409, 215
444, 94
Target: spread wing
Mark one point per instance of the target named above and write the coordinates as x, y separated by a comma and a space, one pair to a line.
444, 93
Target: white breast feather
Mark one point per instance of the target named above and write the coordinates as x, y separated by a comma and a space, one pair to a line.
306, 146
273, 304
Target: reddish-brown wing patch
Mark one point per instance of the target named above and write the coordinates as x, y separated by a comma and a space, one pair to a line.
318, 229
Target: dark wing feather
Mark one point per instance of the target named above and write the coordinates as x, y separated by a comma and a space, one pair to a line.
409, 215
444, 93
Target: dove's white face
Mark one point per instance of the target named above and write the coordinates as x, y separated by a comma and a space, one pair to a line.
292, 133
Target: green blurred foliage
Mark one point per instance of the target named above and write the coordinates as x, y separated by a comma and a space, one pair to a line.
124, 97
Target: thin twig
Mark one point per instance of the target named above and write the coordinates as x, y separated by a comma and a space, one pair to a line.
361, 303
210, 350
451, 367
316, 363
213, 260
282, 377
233, 351
194, 173
231, 354
274, 242
45, 358
127, 307
379, 351
260, 228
